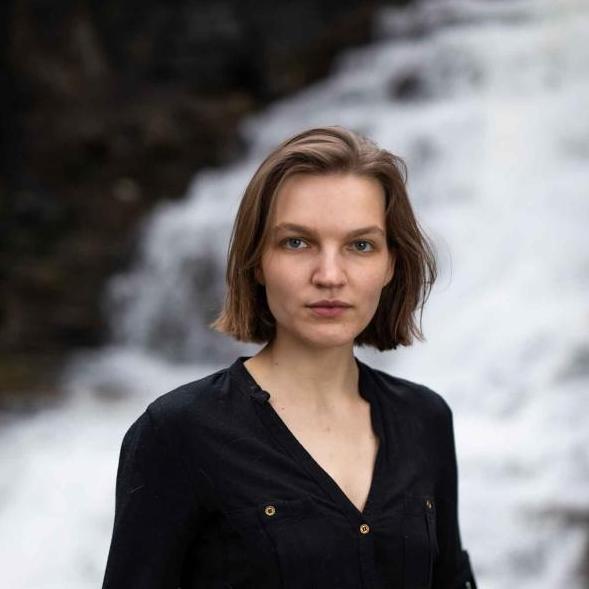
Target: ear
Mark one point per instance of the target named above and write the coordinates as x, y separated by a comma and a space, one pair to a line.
391, 269
259, 275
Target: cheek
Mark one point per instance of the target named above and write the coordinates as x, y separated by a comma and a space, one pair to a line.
371, 283
279, 278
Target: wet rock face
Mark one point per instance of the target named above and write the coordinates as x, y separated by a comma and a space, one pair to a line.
110, 106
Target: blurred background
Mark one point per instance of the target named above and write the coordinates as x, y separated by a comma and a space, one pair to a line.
128, 133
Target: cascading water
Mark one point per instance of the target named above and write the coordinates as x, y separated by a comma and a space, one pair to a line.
486, 102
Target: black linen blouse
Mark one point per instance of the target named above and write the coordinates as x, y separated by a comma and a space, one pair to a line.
214, 491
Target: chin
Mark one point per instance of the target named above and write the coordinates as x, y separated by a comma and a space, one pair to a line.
323, 339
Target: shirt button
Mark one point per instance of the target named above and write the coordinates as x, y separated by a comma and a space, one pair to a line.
364, 529
428, 503
269, 510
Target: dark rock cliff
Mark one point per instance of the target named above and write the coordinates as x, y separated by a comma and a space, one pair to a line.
108, 106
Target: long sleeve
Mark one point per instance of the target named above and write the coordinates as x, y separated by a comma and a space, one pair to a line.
156, 512
452, 569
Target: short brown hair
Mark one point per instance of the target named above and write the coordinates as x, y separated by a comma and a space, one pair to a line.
245, 314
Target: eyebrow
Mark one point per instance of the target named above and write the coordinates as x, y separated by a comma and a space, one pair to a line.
311, 231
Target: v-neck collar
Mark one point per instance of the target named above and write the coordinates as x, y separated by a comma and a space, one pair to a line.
290, 443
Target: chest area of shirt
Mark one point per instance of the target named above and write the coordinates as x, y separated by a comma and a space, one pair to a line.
363, 464
297, 522
282, 494
344, 446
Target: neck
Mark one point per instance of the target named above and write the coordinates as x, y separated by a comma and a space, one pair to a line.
314, 378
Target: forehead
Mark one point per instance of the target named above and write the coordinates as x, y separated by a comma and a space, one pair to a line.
327, 199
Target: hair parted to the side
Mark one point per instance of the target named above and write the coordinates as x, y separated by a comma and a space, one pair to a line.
245, 314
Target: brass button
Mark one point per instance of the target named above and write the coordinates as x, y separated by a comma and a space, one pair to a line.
428, 503
364, 529
269, 510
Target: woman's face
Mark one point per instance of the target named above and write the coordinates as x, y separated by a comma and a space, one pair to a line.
327, 241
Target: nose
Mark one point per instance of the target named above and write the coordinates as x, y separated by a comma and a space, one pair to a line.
329, 270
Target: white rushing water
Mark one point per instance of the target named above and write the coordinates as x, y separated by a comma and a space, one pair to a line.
487, 103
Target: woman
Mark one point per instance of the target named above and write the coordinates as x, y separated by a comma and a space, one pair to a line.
301, 466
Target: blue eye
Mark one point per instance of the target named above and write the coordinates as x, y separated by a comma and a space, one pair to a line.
291, 239
366, 242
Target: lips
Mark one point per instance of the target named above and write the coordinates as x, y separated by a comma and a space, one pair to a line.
329, 310
330, 304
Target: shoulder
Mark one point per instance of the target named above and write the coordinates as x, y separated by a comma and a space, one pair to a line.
190, 407
178, 424
191, 402
417, 410
410, 396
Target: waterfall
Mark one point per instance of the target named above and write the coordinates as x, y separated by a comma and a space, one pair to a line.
487, 103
